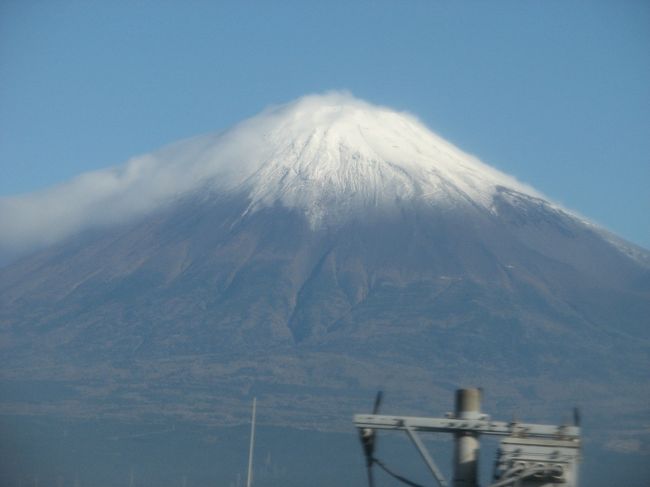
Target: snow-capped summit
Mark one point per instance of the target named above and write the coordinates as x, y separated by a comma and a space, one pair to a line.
327, 155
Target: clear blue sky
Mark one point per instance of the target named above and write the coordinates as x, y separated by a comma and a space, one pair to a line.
555, 93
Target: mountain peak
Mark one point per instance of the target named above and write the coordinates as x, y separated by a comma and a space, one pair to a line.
327, 155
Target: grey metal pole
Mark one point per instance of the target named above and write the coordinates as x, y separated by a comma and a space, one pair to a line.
249, 477
468, 406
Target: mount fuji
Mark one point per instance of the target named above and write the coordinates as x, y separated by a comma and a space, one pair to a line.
309, 256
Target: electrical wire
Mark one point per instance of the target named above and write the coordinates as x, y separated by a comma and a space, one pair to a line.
396, 476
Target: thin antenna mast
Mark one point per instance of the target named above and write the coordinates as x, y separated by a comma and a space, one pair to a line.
249, 480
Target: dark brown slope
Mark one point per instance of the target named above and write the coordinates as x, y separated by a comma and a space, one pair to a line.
189, 310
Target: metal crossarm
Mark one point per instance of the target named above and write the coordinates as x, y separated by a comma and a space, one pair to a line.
480, 426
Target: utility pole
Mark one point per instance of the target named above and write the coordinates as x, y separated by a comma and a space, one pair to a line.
466, 448
529, 455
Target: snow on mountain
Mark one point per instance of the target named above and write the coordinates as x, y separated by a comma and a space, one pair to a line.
324, 155
330, 154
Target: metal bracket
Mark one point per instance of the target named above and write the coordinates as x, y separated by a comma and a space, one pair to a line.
424, 453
